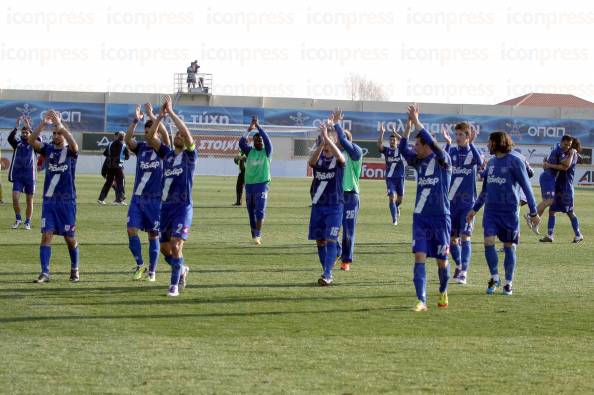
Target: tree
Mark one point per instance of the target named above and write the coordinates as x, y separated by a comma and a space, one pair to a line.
360, 88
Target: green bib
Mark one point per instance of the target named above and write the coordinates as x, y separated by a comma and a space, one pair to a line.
257, 167
352, 174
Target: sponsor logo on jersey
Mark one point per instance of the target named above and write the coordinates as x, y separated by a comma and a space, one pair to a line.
325, 176
461, 170
424, 181
149, 165
57, 169
496, 180
173, 172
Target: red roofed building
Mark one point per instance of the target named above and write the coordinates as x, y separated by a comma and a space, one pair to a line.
548, 100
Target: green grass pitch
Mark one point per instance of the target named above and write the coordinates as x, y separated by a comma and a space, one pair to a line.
252, 319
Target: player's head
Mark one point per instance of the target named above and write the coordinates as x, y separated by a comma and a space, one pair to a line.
462, 134
349, 137
393, 140
576, 144
25, 132
120, 136
334, 138
147, 126
258, 142
178, 141
422, 147
500, 143
57, 137
566, 142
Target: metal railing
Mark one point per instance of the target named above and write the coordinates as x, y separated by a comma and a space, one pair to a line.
202, 86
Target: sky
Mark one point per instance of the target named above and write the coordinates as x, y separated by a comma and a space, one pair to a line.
431, 51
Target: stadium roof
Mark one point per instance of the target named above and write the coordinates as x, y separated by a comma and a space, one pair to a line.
549, 100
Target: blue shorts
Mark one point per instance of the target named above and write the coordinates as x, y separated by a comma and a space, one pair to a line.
459, 225
59, 217
395, 186
26, 186
256, 198
175, 221
324, 222
144, 214
431, 235
506, 226
547, 185
563, 202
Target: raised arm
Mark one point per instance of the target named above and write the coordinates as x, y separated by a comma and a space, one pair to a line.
129, 138
315, 155
151, 139
179, 124
413, 113
333, 148
409, 155
163, 135
243, 140
380, 138
265, 139
34, 137
353, 150
60, 128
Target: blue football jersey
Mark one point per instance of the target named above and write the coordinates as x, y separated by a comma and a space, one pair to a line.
565, 178
504, 178
394, 162
327, 184
554, 158
23, 166
148, 183
178, 173
465, 164
434, 174
59, 173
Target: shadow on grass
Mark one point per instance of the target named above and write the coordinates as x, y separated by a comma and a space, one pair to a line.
198, 315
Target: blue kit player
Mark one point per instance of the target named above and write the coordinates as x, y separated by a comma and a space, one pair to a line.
327, 200
505, 175
431, 215
559, 155
394, 170
58, 213
257, 177
175, 220
22, 172
466, 160
353, 156
145, 207
564, 191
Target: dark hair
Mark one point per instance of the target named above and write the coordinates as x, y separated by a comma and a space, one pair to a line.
576, 144
148, 123
501, 142
421, 139
257, 135
566, 137
24, 128
464, 127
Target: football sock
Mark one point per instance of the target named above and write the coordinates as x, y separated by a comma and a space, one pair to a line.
45, 253
393, 210
73, 257
492, 260
444, 277
420, 281
135, 249
551, 225
329, 259
18, 217
466, 254
456, 252
176, 265
509, 263
153, 254
575, 224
